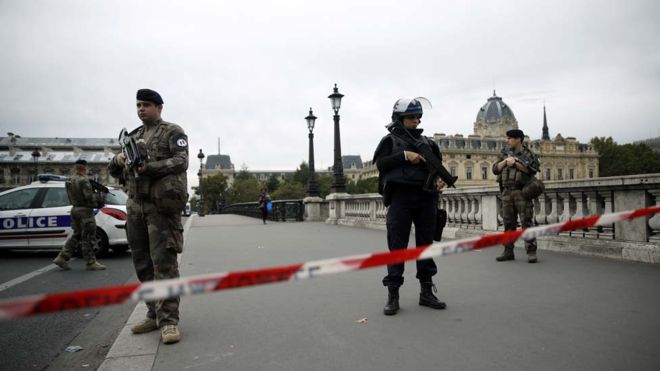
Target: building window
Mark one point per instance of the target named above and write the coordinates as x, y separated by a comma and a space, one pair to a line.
560, 174
548, 173
452, 170
571, 174
484, 172
468, 172
591, 173
468, 156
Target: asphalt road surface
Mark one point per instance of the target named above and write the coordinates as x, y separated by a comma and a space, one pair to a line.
37, 343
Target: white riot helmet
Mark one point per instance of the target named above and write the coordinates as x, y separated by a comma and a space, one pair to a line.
408, 107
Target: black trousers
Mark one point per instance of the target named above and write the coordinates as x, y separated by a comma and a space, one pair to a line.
410, 205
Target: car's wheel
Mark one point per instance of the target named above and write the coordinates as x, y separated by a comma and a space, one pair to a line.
102, 245
100, 249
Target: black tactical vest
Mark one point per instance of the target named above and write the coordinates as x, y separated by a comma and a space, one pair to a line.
408, 173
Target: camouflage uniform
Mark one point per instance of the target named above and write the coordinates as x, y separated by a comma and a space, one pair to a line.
84, 200
155, 200
514, 204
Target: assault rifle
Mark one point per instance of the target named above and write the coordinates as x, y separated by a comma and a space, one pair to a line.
130, 148
524, 160
434, 164
98, 187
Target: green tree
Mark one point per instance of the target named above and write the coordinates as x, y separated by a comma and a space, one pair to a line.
214, 188
289, 191
325, 182
243, 174
362, 186
193, 202
627, 159
273, 183
301, 174
244, 190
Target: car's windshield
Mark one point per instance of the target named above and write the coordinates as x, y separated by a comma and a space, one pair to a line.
116, 197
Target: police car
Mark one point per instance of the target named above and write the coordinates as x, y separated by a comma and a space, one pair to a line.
38, 216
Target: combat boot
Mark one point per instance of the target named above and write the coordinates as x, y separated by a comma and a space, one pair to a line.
147, 325
95, 266
506, 255
531, 255
170, 334
392, 305
62, 262
427, 299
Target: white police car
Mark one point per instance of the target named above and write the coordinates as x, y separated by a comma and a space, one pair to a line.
38, 216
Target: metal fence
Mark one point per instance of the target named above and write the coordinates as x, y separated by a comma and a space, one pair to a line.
283, 210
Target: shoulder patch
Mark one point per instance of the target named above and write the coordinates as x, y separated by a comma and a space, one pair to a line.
181, 141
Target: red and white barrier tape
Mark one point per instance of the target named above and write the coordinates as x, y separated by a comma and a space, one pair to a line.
158, 290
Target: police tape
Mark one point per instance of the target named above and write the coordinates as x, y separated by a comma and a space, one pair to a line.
163, 289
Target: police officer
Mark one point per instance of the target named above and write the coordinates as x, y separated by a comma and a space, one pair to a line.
157, 194
513, 174
84, 201
402, 174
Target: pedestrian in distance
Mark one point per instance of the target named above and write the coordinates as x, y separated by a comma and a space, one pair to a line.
84, 200
402, 176
264, 200
515, 169
157, 195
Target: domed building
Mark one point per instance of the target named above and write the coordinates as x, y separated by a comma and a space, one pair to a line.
471, 157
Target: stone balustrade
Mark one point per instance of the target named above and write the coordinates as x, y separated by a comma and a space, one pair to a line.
475, 211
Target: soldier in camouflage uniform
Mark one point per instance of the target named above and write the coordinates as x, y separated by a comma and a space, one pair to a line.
157, 194
84, 200
513, 174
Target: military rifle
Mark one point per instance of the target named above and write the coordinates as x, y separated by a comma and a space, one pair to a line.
98, 187
130, 148
524, 160
434, 164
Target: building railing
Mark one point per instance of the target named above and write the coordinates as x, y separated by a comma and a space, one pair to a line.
283, 210
475, 210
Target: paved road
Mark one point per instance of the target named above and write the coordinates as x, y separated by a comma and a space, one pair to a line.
568, 312
35, 343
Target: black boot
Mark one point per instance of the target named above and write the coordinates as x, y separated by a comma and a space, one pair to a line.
506, 255
426, 297
392, 305
531, 254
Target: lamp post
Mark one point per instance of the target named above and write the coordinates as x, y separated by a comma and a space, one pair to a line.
200, 209
312, 185
338, 180
35, 156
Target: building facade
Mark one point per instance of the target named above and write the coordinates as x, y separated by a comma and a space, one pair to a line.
22, 159
471, 157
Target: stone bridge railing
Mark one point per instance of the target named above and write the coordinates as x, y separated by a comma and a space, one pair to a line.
475, 211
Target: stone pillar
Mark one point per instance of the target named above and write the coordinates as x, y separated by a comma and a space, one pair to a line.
566, 210
479, 206
553, 216
654, 222
489, 212
312, 208
633, 230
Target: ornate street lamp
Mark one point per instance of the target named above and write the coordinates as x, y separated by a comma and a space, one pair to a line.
338, 180
312, 185
35, 156
200, 209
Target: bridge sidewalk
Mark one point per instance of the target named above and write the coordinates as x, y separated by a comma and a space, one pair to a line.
567, 312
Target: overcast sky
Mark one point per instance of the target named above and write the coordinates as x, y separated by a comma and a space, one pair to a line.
248, 71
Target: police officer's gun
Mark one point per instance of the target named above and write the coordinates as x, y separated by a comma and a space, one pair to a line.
131, 150
434, 164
